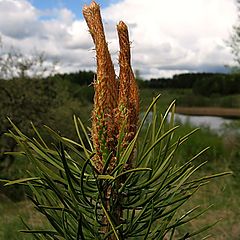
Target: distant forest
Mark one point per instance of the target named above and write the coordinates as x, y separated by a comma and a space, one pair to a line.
205, 84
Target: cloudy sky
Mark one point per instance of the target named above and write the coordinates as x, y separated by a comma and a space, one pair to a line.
168, 36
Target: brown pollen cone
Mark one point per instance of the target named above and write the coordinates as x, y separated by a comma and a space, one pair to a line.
106, 90
128, 102
116, 108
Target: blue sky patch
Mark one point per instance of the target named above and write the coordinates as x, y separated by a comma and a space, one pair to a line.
74, 6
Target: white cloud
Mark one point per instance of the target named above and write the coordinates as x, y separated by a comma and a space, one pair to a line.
18, 19
171, 34
55, 32
168, 36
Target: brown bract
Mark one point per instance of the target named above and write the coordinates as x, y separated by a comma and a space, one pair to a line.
116, 105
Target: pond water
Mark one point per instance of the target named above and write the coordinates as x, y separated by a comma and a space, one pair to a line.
213, 123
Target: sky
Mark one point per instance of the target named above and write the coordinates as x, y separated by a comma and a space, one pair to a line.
168, 36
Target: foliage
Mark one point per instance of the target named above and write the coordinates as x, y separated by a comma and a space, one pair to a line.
79, 78
67, 189
202, 84
218, 84
186, 98
183, 81
40, 101
222, 192
23, 100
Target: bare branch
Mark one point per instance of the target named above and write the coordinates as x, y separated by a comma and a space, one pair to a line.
16, 64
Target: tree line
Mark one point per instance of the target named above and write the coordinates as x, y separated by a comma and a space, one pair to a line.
205, 84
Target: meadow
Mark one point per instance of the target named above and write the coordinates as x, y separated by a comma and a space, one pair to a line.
222, 193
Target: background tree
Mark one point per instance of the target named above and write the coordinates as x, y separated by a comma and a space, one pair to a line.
234, 41
16, 64
41, 101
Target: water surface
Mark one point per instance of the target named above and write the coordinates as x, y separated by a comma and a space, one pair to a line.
214, 123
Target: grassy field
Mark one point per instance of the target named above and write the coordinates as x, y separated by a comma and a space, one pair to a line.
223, 193
11, 215
225, 201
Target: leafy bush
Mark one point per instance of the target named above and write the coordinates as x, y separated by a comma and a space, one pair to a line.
42, 101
